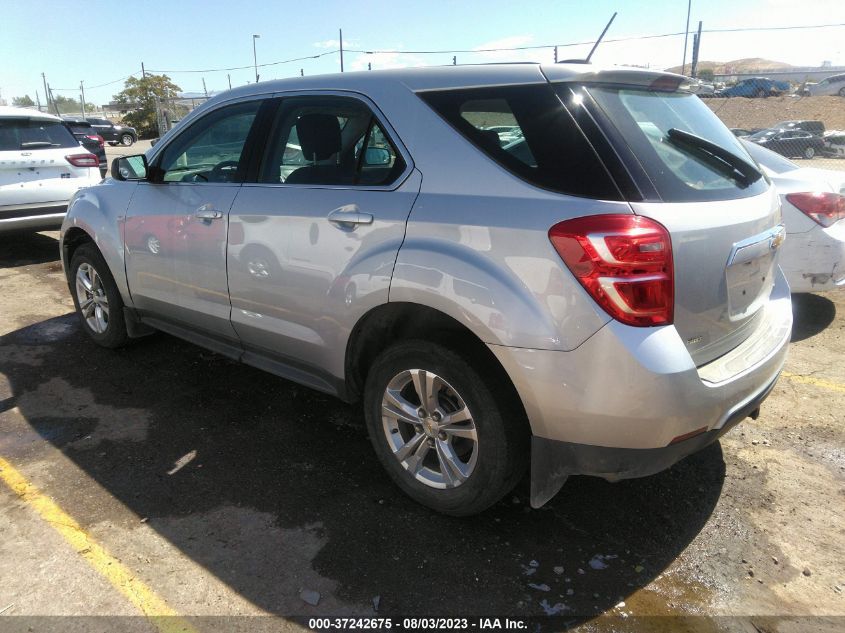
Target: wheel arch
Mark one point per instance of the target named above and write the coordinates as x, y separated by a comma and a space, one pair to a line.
391, 322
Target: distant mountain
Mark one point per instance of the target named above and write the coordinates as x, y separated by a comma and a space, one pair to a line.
746, 65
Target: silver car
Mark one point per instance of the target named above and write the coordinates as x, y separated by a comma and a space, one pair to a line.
598, 294
833, 85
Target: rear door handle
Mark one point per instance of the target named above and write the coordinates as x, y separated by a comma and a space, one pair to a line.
207, 212
350, 217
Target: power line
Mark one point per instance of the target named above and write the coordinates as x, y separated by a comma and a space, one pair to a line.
284, 61
586, 42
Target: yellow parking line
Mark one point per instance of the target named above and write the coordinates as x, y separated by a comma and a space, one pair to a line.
818, 382
151, 605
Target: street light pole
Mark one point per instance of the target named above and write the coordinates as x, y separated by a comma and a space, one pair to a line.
686, 37
254, 57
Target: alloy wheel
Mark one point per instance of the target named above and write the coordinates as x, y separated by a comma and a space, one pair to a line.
91, 295
429, 428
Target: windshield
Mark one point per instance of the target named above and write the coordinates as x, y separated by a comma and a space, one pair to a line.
764, 134
680, 173
18, 134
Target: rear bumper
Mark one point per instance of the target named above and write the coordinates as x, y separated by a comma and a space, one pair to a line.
32, 217
618, 405
815, 261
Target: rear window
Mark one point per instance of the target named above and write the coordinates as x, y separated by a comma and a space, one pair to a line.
23, 134
679, 171
527, 130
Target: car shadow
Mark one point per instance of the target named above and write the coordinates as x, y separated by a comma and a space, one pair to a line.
26, 248
811, 314
274, 488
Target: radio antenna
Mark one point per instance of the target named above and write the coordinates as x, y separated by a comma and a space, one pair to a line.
601, 37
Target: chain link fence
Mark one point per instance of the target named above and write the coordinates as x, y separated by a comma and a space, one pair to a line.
170, 111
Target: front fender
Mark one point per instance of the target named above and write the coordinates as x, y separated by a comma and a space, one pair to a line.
99, 211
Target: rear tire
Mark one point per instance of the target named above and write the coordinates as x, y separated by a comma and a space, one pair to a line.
809, 153
126, 140
842, 92
98, 303
457, 468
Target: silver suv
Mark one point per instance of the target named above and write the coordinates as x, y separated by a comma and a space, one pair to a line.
566, 265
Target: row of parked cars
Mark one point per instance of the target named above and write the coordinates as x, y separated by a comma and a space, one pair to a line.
767, 87
571, 267
801, 139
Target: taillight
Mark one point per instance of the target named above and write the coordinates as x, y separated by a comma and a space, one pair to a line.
624, 262
96, 137
83, 160
823, 207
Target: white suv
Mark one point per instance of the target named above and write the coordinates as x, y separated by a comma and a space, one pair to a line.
41, 166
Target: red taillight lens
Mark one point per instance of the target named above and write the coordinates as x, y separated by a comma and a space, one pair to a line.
823, 207
624, 262
83, 160
98, 138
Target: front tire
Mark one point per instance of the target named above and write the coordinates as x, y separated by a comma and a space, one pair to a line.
449, 434
809, 153
98, 303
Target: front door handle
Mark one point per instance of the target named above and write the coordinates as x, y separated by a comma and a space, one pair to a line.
207, 212
350, 217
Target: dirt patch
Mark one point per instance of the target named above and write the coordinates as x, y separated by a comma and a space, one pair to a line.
747, 113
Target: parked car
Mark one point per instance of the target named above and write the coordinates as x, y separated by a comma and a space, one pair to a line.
833, 85
834, 143
41, 167
789, 142
755, 87
701, 88
741, 131
89, 139
114, 133
601, 301
813, 127
813, 202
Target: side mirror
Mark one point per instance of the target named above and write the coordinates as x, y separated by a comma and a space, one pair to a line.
376, 156
129, 167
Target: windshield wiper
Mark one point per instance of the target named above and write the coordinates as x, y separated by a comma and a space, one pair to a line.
716, 156
34, 144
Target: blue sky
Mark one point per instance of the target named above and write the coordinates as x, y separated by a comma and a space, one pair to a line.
56, 37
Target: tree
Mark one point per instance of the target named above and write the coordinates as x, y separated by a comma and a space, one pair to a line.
67, 105
23, 102
139, 98
705, 74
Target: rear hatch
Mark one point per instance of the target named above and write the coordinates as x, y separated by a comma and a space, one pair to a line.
33, 164
694, 177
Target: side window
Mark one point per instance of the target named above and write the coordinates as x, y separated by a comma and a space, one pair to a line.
329, 141
211, 149
527, 130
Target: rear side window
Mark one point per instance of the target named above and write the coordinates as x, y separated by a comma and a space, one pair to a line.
22, 134
527, 130
679, 171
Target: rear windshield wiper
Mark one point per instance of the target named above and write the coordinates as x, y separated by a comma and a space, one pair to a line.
716, 156
34, 144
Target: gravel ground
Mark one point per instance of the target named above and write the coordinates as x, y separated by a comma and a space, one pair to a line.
230, 492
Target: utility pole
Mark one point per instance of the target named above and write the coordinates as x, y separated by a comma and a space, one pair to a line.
696, 44
301, 72
255, 57
555, 54
46, 92
341, 49
82, 90
38, 100
686, 36
369, 66
454, 60
204, 89
143, 71
55, 105
229, 77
